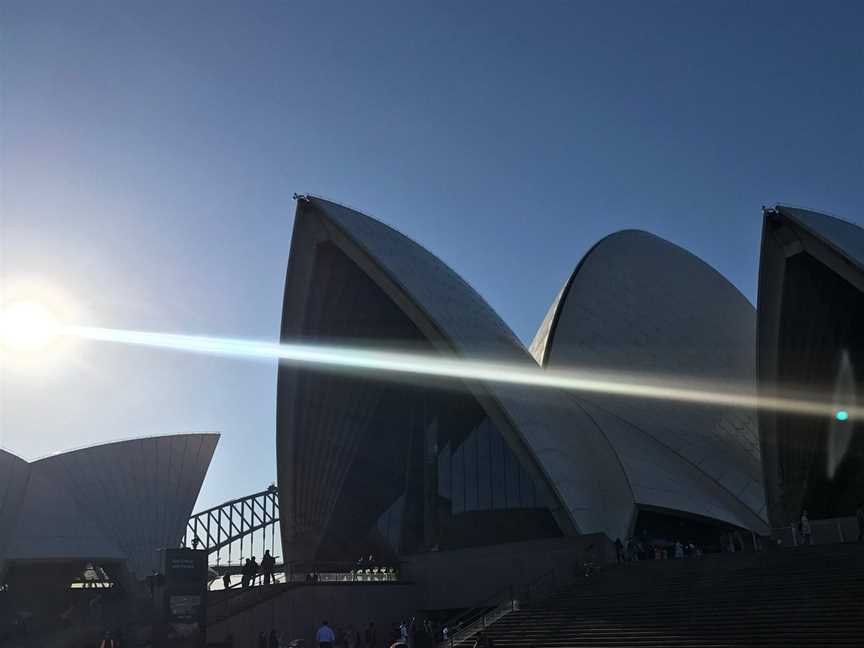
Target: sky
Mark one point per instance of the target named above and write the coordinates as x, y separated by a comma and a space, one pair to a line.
149, 153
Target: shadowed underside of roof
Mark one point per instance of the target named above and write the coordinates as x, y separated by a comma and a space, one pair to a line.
811, 318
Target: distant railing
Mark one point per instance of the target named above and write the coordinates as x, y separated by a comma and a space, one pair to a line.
828, 531
344, 572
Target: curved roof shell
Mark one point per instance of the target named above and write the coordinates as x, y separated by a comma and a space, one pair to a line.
14, 475
640, 308
118, 501
552, 435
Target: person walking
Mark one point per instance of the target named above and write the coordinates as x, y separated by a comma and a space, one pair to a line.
325, 636
619, 550
226, 581
806, 531
274, 639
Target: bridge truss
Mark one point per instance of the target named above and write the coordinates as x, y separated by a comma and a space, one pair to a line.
236, 530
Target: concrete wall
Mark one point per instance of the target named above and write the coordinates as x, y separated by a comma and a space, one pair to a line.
299, 612
466, 577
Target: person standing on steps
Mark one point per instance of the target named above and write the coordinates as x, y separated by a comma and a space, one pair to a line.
371, 636
806, 531
325, 636
253, 571
619, 550
267, 564
243, 571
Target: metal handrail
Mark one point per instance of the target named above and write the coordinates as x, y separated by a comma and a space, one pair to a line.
482, 621
475, 611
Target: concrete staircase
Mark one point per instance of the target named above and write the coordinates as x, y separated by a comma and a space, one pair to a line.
806, 596
224, 604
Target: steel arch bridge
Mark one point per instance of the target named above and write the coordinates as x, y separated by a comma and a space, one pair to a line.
239, 525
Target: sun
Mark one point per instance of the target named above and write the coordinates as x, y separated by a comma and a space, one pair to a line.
27, 326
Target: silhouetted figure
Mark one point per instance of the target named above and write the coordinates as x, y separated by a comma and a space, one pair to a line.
253, 570
859, 514
806, 531
195, 542
619, 550
262, 640
226, 581
245, 574
370, 637
274, 639
267, 564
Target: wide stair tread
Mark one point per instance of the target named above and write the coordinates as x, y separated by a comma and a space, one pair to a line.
809, 596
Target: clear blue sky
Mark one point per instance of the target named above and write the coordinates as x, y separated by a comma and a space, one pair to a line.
148, 156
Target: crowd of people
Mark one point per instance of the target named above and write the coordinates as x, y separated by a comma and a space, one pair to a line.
641, 548
413, 633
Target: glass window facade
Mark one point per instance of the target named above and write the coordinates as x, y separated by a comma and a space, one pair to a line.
407, 465
483, 474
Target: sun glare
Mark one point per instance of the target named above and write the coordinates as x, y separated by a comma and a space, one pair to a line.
27, 326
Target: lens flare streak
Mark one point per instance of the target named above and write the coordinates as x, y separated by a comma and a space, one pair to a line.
346, 358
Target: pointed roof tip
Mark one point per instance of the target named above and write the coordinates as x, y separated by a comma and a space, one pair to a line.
843, 236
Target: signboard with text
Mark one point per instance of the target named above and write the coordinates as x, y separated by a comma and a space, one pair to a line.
183, 599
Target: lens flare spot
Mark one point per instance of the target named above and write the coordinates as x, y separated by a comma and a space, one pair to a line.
842, 415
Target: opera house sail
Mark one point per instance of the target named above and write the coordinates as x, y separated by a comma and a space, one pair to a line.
644, 309
402, 465
114, 505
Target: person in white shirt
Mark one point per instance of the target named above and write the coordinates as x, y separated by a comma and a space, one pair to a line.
325, 636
